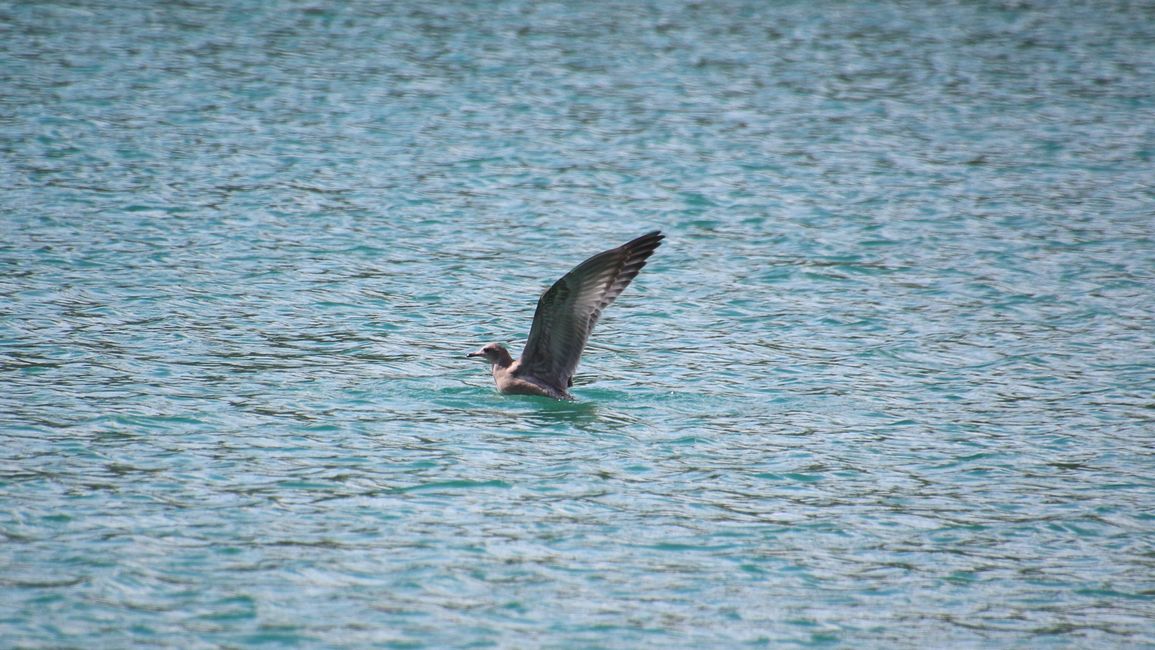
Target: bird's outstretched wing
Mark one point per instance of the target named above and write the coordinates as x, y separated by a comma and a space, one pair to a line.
568, 311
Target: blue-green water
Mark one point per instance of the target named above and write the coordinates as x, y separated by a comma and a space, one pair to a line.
889, 383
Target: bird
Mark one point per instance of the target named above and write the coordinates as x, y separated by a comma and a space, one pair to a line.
566, 314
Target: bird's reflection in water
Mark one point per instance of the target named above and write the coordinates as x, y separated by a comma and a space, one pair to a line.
587, 416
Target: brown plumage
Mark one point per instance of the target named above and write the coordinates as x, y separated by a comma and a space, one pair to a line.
565, 316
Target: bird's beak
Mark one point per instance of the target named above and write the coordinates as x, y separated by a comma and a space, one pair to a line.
475, 354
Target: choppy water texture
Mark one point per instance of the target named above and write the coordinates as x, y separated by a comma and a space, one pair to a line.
889, 383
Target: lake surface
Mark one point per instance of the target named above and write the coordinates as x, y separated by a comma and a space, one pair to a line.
890, 381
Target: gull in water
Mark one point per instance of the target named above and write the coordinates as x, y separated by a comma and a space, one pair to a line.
565, 316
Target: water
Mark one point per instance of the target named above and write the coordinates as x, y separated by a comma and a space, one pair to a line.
889, 382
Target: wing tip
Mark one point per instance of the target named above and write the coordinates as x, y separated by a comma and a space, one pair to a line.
647, 242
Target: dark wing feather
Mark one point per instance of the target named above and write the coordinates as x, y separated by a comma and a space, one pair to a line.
568, 311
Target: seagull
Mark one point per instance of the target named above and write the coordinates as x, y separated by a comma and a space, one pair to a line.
565, 316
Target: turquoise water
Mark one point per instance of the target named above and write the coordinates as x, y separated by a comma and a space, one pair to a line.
888, 383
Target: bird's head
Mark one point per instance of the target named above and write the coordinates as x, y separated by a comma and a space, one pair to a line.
494, 353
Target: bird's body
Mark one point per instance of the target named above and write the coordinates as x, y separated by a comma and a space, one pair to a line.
565, 316
509, 379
